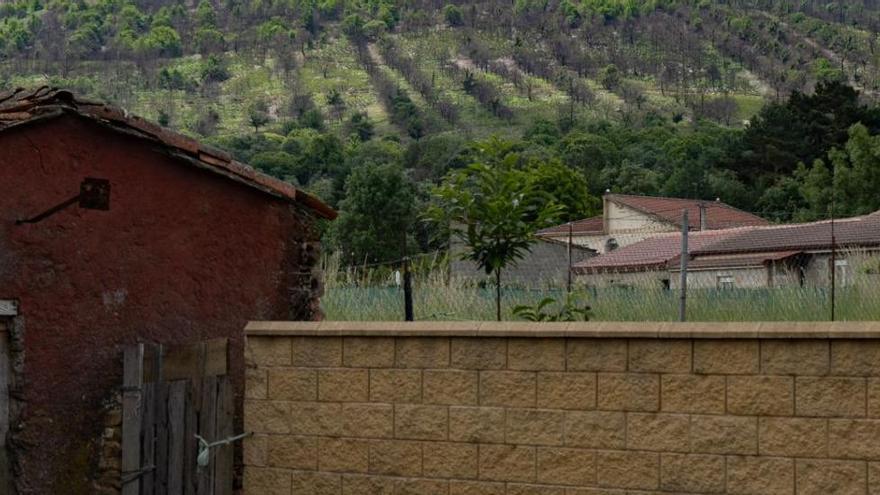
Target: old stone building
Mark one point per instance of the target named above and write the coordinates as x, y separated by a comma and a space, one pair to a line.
114, 230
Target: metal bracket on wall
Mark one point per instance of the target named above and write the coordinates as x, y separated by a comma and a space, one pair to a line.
94, 194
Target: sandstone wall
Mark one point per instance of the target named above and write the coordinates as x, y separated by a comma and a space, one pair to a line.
568, 409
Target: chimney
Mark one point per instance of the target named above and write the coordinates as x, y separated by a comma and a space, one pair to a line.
704, 217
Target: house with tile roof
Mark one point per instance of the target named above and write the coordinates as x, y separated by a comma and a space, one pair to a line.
746, 257
628, 219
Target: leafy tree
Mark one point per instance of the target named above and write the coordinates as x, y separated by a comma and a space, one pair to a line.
858, 171
162, 41
277, 164
610, 77
312, 119
376, 213
453, 15
850, 180
353, 27
494, 210
206, 16
565, 187
824, 71
336, 102
630, 178
800, 130
209, 40
215, 70
164, 119
434, 156
543, 132
590, 154
173, 79
258, 114
361, 126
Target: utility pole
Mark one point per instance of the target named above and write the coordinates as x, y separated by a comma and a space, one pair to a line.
833, 261
407, 291
407, 284
570, 228
833, 250
682, 308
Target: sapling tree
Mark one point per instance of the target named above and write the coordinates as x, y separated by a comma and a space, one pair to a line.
494, 210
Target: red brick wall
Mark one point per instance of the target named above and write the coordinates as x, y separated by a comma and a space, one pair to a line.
182, 255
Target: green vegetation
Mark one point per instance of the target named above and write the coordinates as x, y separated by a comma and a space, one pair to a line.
434, 300
372, 104
494, 208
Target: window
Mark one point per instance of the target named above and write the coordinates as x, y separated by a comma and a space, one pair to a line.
841, 273
725, 282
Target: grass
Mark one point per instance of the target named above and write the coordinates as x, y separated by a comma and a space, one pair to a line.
371, 294
474, 303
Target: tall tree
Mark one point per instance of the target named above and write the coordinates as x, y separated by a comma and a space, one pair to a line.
494, 211
376, 214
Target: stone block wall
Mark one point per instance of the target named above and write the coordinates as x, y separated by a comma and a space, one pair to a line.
567, 409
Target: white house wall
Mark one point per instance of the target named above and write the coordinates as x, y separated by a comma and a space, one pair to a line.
620, 219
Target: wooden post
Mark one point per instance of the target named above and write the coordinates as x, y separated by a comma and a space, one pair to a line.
176, 427
222, 460
407, 292
133, 382
208, 431
570, 235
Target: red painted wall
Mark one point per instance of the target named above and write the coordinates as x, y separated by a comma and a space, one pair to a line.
182, 255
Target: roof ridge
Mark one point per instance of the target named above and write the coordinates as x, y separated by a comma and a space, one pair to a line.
697, 202
23, 106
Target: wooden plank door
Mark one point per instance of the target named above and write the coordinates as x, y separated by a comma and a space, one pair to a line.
170, 396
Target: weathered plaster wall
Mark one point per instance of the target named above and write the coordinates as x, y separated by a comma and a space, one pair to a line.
183, 255
563, 409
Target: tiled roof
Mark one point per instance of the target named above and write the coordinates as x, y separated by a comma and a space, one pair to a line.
654, 252
739, 246
19, 107
718, 215
592, 225
732, 260
575, 247
854, 232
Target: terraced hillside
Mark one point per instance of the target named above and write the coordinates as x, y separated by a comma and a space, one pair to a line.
753, 101
482, 67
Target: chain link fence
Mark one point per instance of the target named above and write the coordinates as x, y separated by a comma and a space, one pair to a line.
376, 292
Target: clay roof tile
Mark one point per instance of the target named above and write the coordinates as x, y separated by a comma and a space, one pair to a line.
20, 106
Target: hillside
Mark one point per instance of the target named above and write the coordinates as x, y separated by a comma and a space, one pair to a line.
650, 97
613, 59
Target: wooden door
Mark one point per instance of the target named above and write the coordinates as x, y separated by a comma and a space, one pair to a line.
171, 396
